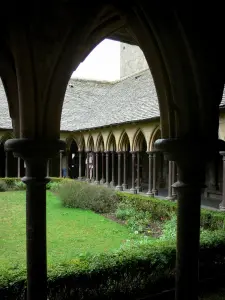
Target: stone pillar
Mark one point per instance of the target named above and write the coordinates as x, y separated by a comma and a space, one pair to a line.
190, 157
125, 185
6, 164
18, 167
60, 163
174, 179
80, 165
96, 172
138, 187
113, 177
170, 197
93, 167
48, 168
67, 163
133, 189
119, 186
103, 165
107, 168
150, 159
36, 155
154, 189
222, 204
87, 169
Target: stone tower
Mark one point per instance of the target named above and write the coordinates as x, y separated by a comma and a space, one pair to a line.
132, 60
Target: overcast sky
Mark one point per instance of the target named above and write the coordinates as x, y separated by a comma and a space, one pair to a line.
103, 63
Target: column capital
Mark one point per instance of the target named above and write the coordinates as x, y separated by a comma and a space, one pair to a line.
191, 156
29, 148
222, 153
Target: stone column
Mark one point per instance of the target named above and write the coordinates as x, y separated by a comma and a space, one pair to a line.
60, 163
18, 167
103, 165
96, 172
190, 157
94, 167
125, 185
107, 168
67, 163
133, 189
6, 164
150, 159
80, 165
222, 204
48, 168
87, 169
113, 177
174, 179
154, 189
36, 155
119, 186
138, 187
170, 197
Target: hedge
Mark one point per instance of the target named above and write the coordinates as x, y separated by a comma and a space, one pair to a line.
159, 208
133, 271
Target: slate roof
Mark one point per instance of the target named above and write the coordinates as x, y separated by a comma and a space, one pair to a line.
91, 104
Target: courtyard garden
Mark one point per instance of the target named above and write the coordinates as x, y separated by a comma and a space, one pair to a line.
101, 243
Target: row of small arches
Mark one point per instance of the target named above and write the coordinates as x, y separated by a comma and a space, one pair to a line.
138, 142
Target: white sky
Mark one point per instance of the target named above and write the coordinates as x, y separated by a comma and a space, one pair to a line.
103, 63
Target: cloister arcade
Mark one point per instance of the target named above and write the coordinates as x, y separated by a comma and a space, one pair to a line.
42, 44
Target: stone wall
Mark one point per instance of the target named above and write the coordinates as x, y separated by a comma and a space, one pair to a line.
132, 60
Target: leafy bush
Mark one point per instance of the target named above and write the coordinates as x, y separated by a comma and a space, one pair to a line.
132, 271
85, 196
163, 210
3, 186
169, 230
53, 186
19, 185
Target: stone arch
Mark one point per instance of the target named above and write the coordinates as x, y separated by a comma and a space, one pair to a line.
124, 142
81, 144
90, 144
111, 142
100, 143
69, 140
155, 136
139, 141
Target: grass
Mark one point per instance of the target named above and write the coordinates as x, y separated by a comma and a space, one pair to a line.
70, 232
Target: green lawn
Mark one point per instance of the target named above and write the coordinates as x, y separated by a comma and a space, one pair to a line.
70, 232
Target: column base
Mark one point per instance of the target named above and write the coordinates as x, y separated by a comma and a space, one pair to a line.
97, 182
155, 192
102, 181
133, 191
125, 186
119, 188
150, 194
112, 184
139, 189
80, 178
221, 207
88, 180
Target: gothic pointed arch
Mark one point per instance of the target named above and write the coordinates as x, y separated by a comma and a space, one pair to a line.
90, 144
100, 143
155, 136
139, 141
124, 142
111, 142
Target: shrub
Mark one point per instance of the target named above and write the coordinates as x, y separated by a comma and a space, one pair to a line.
132, 271
19, 185
3, 186
163, 210
169, 230
85, 196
